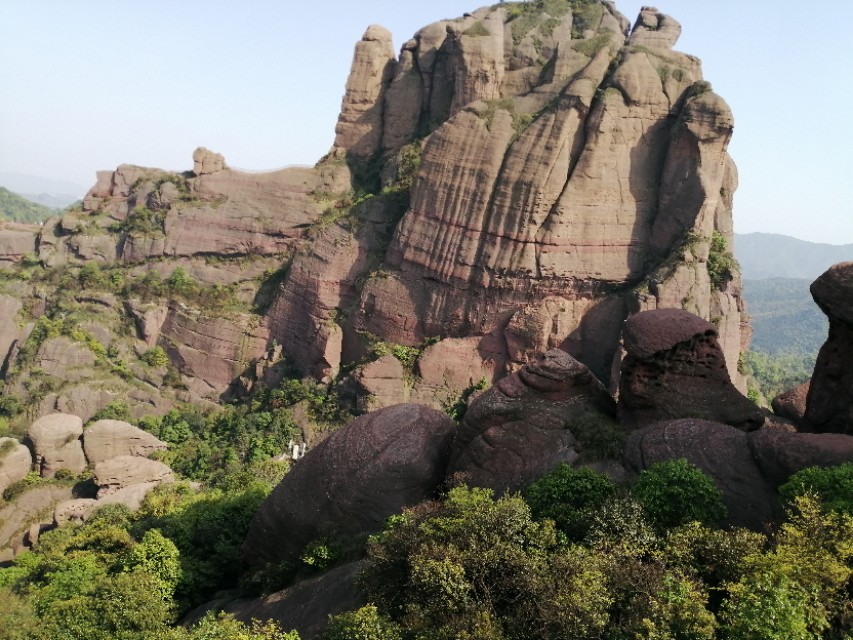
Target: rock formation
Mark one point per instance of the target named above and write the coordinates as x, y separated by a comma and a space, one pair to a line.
16, 461
56, 444
521, 428
674, 368
350, 483
107, 439
792, 403
829, 407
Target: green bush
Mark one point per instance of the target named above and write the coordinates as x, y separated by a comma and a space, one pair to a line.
833, 486
721, 263
570, 497
155, 357
364, 624
600, 436
115, 410
675, 492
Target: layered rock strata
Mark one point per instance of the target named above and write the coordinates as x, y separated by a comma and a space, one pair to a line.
521, 428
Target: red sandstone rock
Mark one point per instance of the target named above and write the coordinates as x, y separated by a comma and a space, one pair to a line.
352, 481
792, 403
674, 368
520, 428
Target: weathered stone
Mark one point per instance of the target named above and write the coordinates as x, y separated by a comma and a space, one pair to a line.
16, 461
307, 605
17, 240
107, 439
674, 368
352, 481
29, 508
359, 128
149, 319
56, 444
519, 429
655, 30
722, 452
791, 404
780, 454
829, 407
205, 161
380, 384
121, 472
65, 358
10, 333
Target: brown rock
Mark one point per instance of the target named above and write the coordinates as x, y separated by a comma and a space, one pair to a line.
829, 407
149, 319
16, 461
10, 333
359, 128
56, 444
722, 452
205, 161
107, 439
352, 481
28, 509
780, 454
520, 428
17, 240
121, 472
307, 605
380, 384
674, 368
655, 30
792, 403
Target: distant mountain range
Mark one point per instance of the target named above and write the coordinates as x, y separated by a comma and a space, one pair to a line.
770, 255
56, 194
19, 209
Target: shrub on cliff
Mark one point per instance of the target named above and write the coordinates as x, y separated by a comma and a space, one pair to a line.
675, 492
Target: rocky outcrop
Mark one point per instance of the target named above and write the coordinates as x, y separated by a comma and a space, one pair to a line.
674, 368
829, 407
307, 605
792, 403
107, 439
119, 473
351, 482
206, 161
571, 177
521, 428
17, 241
31, 510
55, 440
780, 453
359, 128
16, 461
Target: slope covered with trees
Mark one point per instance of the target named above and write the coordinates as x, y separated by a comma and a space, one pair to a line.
18, 209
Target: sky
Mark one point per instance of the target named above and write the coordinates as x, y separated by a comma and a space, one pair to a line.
91, 84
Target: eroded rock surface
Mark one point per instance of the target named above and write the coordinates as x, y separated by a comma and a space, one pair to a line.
16, 461
107, 439
56, 444
521, 428
352, 481
792, 403
829, 407
121, 472
674, 368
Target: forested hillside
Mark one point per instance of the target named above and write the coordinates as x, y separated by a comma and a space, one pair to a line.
18, 209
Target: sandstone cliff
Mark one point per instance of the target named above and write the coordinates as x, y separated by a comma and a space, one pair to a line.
519, 179
567, 176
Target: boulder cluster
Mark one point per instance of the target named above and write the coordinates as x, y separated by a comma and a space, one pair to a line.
57, 445
675, 400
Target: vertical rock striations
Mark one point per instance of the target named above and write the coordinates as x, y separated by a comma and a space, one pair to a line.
569, 176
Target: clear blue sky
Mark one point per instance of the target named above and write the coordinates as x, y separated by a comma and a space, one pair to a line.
90, 84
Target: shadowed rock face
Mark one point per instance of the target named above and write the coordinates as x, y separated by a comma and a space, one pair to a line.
792, 403
829, 407
521, 428
352, 481
674, 368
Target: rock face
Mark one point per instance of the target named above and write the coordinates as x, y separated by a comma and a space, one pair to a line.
829, 407
205, 161
674, 368
351, 482
15, 462
107, 439
121, 472
56, 444
570, 176
306, 606
519, 429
